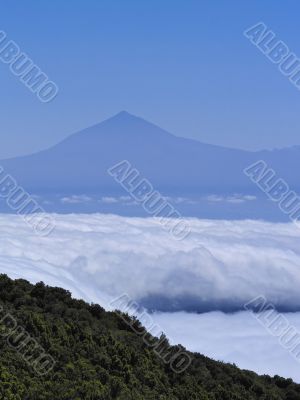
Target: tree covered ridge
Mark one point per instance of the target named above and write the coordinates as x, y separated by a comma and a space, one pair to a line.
98, 357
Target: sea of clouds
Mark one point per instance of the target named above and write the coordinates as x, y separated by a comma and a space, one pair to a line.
237, 338
220, 266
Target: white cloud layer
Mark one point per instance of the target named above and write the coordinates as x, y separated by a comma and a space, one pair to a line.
237, 338
75, 199
220, 265
234, 199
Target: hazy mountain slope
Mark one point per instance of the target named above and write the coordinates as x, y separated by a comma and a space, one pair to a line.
79, 164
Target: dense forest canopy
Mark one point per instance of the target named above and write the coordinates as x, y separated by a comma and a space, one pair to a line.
85, 352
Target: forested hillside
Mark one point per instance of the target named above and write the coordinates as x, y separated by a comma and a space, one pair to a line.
98, 356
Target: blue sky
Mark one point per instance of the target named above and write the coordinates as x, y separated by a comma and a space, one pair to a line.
183, 64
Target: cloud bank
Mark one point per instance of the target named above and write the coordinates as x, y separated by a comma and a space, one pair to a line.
237, 338
221, 265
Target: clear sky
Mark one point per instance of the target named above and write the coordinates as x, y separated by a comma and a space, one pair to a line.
183, 64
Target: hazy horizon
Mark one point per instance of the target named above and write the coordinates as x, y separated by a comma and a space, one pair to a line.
195, 74
151, 151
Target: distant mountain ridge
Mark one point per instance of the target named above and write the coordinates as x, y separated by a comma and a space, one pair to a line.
172, 164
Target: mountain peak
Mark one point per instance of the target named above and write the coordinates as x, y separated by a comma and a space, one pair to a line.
123, 118
123, 115
125, 123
